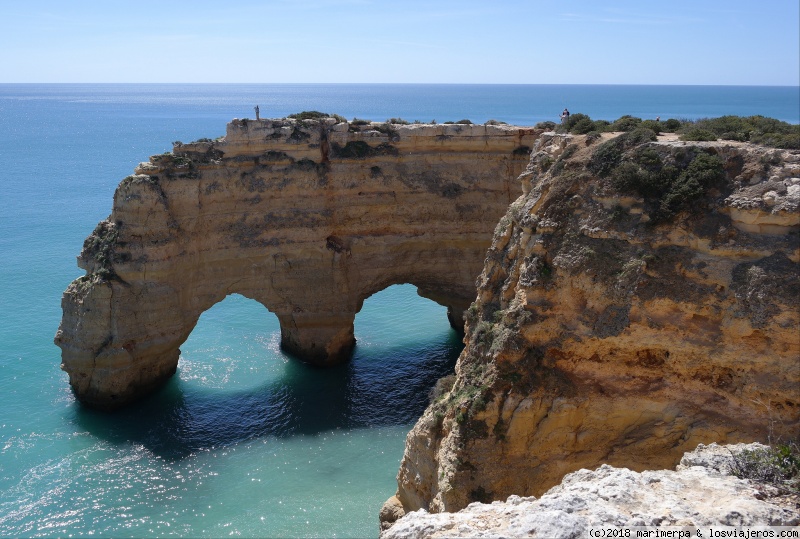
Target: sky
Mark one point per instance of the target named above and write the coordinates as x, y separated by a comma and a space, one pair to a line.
728, 42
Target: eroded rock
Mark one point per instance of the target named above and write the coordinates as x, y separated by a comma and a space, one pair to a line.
308, 218
699, 493
620, 319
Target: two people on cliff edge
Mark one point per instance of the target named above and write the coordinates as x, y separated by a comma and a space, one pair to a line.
564, 116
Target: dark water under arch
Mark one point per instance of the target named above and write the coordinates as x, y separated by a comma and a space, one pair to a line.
235, 384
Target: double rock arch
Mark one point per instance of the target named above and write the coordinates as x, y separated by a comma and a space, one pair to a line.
307, 218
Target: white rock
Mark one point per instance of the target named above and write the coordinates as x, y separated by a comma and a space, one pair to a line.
699, 493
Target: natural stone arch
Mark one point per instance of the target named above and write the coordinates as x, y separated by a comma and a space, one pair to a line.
307, 218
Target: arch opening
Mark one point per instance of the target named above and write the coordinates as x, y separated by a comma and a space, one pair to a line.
404, 344
234, 382
235, 344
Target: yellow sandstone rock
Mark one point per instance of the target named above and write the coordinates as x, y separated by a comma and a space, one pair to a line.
620, 319
308, 218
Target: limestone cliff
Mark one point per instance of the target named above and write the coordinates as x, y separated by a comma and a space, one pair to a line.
307, 217
700, 493
640, 298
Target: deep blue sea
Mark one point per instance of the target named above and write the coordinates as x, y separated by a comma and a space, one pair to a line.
242, 441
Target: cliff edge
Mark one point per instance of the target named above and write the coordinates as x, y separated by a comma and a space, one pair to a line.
701, 492
639, 299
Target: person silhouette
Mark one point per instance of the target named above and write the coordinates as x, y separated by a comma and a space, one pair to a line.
256, 109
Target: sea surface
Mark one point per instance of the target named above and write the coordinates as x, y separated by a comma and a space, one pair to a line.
242, 441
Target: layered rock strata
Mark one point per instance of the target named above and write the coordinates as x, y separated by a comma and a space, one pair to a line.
640, 298
700, 493
308, 218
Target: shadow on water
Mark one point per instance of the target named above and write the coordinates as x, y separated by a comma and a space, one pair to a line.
368, 391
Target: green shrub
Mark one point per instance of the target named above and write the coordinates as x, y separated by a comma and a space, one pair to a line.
546, 125
442, 387
464, 122
309, 115
602, 126
101, 243
652, 125
582, 126
388, 129
608, 154
359, 121
629, 177
682, 192
668, 188
561, 162
398, 121
778, 466
707, 170
648, 158
671, 125
724, 124
732, 135
638, 136
606, 157
495, 122
626, 123
756, 129
786, 141
569, 123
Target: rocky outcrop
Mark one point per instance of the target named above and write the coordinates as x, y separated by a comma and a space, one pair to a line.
700, 493
639, 299
307, 217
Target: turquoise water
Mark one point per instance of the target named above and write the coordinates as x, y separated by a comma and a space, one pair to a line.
241, 441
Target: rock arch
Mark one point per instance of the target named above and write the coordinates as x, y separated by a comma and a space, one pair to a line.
308, 218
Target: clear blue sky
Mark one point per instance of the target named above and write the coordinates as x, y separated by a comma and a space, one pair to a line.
745, 42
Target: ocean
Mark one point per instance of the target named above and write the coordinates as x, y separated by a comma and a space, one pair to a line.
242, 441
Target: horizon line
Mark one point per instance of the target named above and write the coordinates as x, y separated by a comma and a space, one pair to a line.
421, 84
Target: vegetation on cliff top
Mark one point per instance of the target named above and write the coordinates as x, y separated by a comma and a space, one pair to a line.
756, 129
316, 115
669, 179
777, 465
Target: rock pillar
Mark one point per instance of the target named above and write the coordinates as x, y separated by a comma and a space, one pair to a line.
111, 363
319, 339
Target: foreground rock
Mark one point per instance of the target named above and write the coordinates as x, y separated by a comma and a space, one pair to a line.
700, 493
640, 298
308, 218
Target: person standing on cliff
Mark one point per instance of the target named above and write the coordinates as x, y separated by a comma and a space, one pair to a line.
564, 116
256, 109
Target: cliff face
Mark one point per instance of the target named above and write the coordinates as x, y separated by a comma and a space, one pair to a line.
700, 493
307, 217
639, 299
